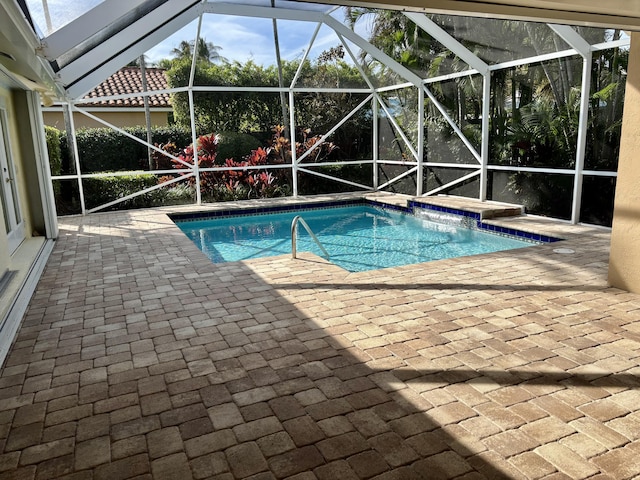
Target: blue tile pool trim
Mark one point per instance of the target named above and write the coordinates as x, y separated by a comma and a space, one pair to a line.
243, 212
410, 209
536, 237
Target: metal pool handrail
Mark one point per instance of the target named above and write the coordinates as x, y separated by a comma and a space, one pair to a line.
294, 229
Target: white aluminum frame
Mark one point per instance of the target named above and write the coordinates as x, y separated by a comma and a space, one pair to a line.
86, 71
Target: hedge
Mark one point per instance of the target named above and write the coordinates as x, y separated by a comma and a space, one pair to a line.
104, 149
101, 190
236, 145
53, 146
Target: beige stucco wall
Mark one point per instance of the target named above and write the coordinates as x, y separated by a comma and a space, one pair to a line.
624, 263
119, 119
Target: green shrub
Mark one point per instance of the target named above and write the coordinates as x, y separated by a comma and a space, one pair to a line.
172, 133
107, 150
53, 146
101, 190
236, 145
98, 191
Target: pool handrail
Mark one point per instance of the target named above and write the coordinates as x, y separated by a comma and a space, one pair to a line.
294, 228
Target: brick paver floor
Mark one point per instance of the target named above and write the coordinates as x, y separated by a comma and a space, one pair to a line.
138, 358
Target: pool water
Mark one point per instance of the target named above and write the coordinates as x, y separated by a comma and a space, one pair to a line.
357, 238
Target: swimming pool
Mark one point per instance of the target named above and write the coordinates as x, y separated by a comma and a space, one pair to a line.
358, 238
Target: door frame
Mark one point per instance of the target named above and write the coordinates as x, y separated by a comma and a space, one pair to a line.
9, 192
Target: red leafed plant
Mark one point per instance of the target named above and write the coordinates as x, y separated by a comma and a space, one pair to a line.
242, 179
280, 149
239, 181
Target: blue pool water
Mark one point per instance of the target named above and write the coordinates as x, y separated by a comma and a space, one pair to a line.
357, 238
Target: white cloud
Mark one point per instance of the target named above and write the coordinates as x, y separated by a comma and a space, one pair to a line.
243, 38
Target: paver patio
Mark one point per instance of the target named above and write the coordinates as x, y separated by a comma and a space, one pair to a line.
138, 358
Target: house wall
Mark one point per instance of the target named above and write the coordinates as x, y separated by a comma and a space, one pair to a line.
25, 154
624, 262
119, 119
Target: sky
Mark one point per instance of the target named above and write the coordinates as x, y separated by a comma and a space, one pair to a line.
239, 38
243, 38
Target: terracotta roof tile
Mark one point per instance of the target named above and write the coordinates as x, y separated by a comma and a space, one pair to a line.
128, 80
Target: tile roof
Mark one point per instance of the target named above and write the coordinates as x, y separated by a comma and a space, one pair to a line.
128, 80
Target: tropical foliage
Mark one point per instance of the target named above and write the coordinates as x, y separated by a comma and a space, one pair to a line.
242, 178
534, 109
205, 51
533, 115
257, 112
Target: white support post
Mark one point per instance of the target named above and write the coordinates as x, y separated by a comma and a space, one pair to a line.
574, 39
486, 125
292, 130
376, 135
74, 143
194, 57
581, 148
194, 139
192, 114
420, 176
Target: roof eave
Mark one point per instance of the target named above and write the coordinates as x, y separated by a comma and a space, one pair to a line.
19, 53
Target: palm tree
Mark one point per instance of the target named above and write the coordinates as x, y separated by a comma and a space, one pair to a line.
183, 50
206, 51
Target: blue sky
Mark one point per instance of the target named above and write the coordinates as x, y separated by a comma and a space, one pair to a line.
240, 38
